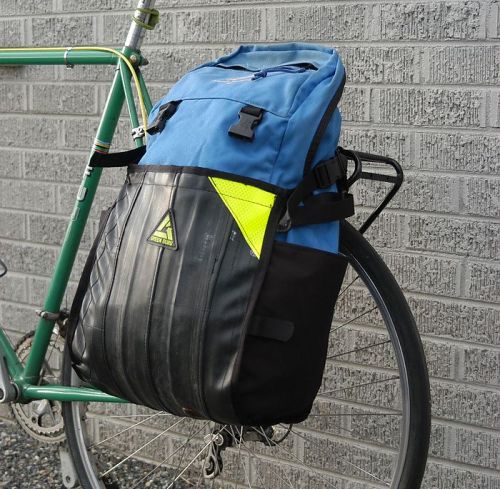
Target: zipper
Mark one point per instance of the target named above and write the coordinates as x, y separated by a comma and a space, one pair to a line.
257, 75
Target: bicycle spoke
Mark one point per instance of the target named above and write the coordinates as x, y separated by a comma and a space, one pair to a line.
303, 464
342, 292
189, 465
170, 456
271, 444
358, 385
356, 414
247, 475
251, 452
190, 436
343, 459
125, 430
128, 457
358, 349
193, 460
353, 319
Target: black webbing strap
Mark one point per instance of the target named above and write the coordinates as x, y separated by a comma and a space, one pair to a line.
325, 207
305, 208
114, 160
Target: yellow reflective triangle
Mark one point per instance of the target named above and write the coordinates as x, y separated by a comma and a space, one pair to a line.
250, 206
164, 233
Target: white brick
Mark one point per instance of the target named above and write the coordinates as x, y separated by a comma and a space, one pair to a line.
452, 152
479, 65
455, 320
10, 33
454, 236
483, 281
318, 22
482, 197
63, 31
380, 64
70, 99
431, 21
241, 25
430, 107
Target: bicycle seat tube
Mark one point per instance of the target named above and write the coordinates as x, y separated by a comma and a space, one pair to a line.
136, 32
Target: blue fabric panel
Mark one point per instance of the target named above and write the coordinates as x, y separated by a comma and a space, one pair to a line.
224, 83
197, 136
320, 236
257, 57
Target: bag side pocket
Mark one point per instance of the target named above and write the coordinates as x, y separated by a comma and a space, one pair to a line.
286, 346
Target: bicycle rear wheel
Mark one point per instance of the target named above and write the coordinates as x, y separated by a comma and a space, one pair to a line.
369, 427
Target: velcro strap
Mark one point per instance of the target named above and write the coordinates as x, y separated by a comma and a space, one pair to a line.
114, 160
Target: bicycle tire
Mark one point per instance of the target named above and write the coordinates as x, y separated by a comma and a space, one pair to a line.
403, 336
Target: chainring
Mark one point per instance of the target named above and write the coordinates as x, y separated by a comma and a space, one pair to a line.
42, 419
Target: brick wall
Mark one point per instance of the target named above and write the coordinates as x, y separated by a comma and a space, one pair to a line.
423, 87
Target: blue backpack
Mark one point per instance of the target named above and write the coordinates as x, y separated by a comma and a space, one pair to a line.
210, 288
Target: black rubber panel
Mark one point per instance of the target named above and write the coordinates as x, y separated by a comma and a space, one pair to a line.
392, 301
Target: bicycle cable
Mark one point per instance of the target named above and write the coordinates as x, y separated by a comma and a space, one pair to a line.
144, 115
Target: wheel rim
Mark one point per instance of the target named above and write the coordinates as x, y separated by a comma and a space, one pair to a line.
249, 474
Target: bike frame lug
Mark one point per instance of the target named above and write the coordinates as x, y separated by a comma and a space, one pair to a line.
49, 316
137, 132
8, 390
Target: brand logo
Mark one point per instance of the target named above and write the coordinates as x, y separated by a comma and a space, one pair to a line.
164, 234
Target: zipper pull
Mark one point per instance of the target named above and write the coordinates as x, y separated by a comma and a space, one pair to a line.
278, 69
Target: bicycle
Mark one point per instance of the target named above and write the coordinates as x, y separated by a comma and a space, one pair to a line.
374, 400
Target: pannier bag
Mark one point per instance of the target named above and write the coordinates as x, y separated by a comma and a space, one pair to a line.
210, 289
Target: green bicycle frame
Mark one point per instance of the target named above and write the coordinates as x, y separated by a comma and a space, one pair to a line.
26, 377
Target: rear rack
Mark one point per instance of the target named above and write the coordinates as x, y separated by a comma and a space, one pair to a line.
358, 158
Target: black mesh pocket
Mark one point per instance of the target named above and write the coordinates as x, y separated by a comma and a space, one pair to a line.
285, 349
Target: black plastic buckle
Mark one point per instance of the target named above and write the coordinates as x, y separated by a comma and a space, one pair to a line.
250, 117
327, 173
164, 114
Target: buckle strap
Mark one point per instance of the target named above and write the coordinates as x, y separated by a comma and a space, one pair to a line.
304, 208
165, 112
250, 117
322, 176
328, 172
